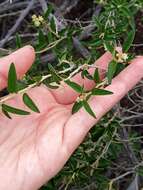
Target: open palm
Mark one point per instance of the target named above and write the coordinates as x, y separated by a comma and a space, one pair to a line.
34, 148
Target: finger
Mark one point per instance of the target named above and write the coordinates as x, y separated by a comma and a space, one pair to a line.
121, 84
66, 95
22, 58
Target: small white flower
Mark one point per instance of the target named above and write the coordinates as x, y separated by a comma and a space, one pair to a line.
125, 56
37, 23
41, 19
122, 57
37, 20
34, 17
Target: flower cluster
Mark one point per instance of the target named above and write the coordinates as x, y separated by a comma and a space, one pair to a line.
121, 57
37, 20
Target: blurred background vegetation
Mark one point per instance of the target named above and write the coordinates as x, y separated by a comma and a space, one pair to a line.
111, 156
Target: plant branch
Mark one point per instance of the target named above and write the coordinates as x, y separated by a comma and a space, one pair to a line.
50, 46
9, 96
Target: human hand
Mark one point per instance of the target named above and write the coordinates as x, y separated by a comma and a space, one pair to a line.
34, 148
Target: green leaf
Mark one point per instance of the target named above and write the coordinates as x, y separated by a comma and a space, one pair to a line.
18, 41
12, 78
98, 91
86, 74
13, 110
51, 68
88, 108
111, 70
127, 13
76, 107
21, 85
41, 39
48, 11
50, 37
74, 86
97, 22
53, 24
96, 76
37, 78
29, 103
120, 67
109, 47
129, 40
54, 74
96, 43
6, 114
50, 85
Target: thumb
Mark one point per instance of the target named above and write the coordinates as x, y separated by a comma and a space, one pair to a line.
22, 59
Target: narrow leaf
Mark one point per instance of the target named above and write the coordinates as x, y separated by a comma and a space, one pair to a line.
96, 43
12, 78
96, 76
13, 110
109, 47
37, 78
53, 24
97, 22
74, 86
54, 74
18, 41
97, 91
88, 108
128, 42
41, 38
111, 70
50, 37
29, 103
120, 67
49, 85
76, 107
86, 74
6, 114
48, 11
21, 85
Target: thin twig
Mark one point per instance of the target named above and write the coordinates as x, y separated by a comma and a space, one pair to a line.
10, 96
50, 46
119, 177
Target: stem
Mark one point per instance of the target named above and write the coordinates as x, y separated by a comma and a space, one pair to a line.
119, 177
104, 82
5, 98
50, 46
50, 29
75, 72
10, 96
